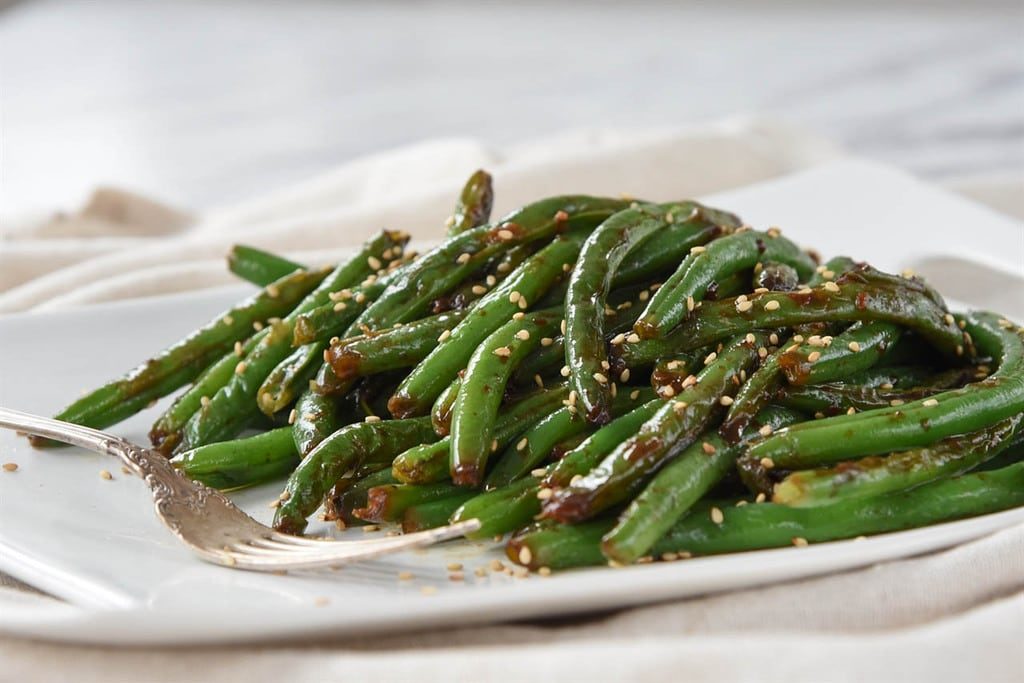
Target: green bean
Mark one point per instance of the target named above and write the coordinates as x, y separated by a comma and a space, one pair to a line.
389, 502
341, 502
915, 424
315, 418
430, 463
677, 488
399, 347
434, 513
767, 525
259, 267
183, 362
343, 451
777, 277
673, 428
441, 412
502, 510
166, 433
846, 302
875, 475
483, 387
242, 462
537, 443
428, 379
722, 257
585, 301
474, 206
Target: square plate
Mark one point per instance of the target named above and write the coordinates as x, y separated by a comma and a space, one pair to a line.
97, 544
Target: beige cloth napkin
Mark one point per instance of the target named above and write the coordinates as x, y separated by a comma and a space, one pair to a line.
957, 615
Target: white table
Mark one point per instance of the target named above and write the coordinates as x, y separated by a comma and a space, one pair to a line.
207, 103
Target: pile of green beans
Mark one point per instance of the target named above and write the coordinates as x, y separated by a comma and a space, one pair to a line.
608, 381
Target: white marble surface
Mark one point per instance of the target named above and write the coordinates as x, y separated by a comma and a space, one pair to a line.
206, 103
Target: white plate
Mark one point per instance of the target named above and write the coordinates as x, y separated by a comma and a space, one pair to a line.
97, 544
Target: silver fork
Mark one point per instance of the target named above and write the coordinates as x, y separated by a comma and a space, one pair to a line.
210, 524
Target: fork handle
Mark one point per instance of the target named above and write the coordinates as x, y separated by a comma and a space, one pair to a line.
75, 435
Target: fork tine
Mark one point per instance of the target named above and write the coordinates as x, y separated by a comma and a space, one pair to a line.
263, 558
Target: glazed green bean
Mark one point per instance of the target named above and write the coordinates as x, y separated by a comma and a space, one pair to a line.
242, 462
181, 363
673, 428
388, 503
875, 475
535, 276
259, 267
441, 412
341, 452
474, 206
722, 257
434, 513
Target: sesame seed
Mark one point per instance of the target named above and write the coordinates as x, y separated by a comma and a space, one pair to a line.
667, 391
813, 356
600, 378
360, 298
228, 320
504, 267
370, 528
930, 403
10, 467
762, 352
716, 515
478, 289
698, 250
538, 473
710, 358
744, 306
374, 262
618, 339
564, 372
690, 305
444, 335
525, 555
257, 326
750, 338
853, 346
767, 463
546, 341
689, 381
523, 443
506, 235
340, 306
456, 576
523, 335
896, 402
633, 338
773, 232
643, 296
491, 280
561, 326
518, 316
831, 287
566, 267
624, 375
799, 541
463, 259
766, 430
428, 590
494, 445
635, 394
708, 448
679, 407
572, 398
959, 350
561, 216
771, 306
370, 419
204, 401
725, 400
522, 303
539, 381
851, 410
502, 351
544, 571
292, 416
545, 494
240, 368
104, 474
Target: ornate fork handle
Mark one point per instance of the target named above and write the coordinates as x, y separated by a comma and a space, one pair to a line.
157, 471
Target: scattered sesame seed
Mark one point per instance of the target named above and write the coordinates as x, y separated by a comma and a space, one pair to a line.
561, 326
831, 287
708, 448
104, 474
544, 571
504, 267
538, 473
716, 515
520, 315
679, 407
360, 298
635, 394
600, 378
766, 430
444, 335
744, 306
12, 467
561, 216
813, 356
456, 576
572, 398
545, 494
930, 403
340, 306
897, 402
689, 381
624, 375
539, 381
506, 235
799, 541
204, 401
767, 463
710, 358
760, 498
292, 416
565, 371
698, 250
463, 259
370, 419
514, 296
773, 232
666, 391
853, 346
771, 306
851, 410
643, 295
478, 289
502, 351
690, 305
523, 335
257, 326
633, 338
525, 555
725, 400
240, 368
494, 445
428, 590
491, 280
523, 443
370, 528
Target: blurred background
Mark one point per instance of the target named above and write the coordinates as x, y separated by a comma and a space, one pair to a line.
205, 103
